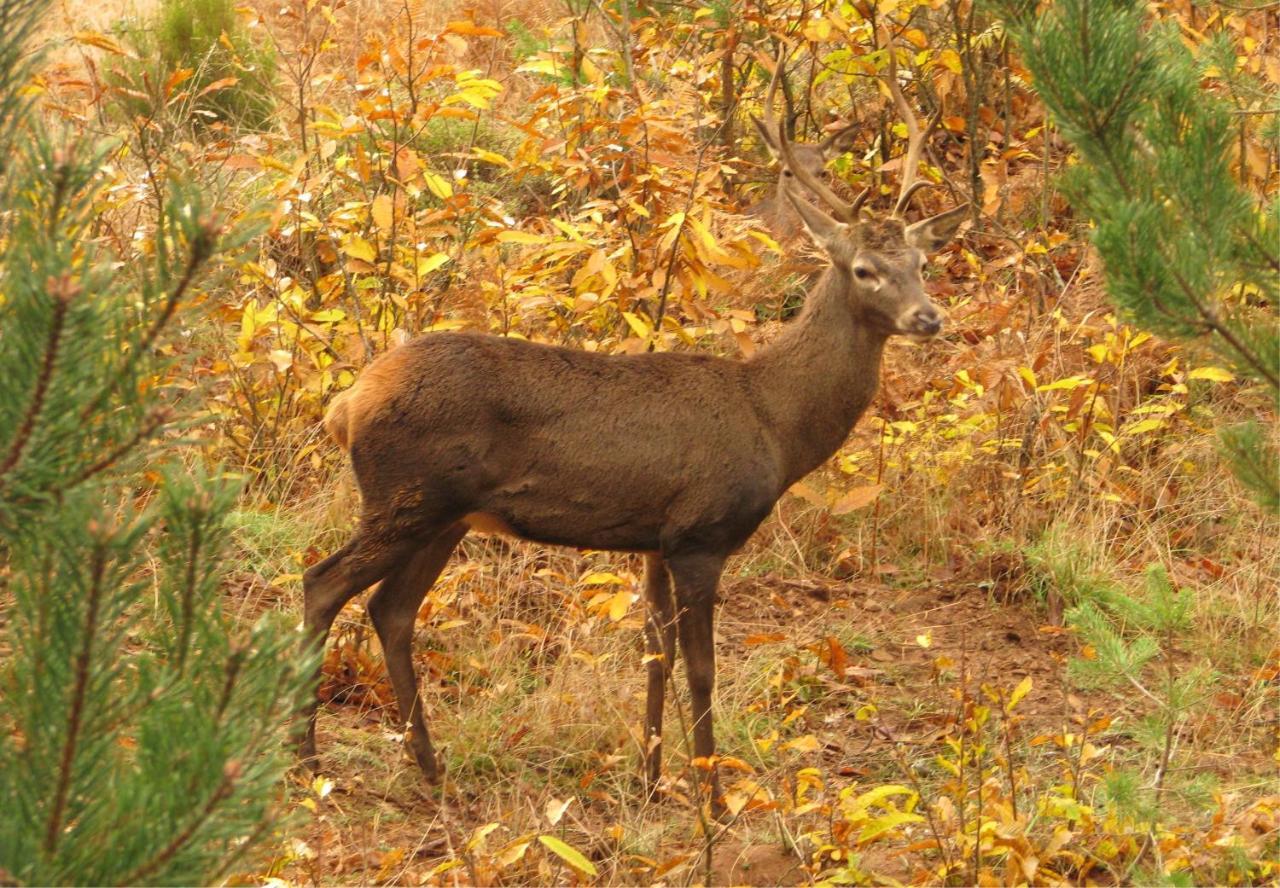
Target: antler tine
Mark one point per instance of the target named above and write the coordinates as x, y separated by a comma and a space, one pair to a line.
856, 207
770, 118
844, 211
915, 137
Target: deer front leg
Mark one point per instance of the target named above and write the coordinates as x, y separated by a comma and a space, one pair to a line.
394, 611
660, 649
696, 578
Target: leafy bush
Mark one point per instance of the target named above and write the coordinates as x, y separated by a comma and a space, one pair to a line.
229, 77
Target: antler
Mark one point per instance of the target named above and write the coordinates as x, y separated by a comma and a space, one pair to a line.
915, 137
844, 210
770, 119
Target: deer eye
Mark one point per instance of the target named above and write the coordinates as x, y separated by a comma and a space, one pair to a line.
864, 274
787, 173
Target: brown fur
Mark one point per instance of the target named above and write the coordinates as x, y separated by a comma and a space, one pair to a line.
676, 455
348, 409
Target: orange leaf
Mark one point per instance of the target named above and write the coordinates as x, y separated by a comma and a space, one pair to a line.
99, 41
471, 29
856, 499
224, 83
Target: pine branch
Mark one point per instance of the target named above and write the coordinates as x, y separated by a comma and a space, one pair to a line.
79, 691
188, 593
61, 292
140, 875
157, 418
202, 247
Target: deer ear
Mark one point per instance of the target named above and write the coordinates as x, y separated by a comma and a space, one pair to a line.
767, 136
934, 233
841, 141
821, 227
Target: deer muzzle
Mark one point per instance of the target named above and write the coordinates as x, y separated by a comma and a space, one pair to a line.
922, 323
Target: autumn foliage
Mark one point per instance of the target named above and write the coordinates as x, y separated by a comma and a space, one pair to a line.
1020, 630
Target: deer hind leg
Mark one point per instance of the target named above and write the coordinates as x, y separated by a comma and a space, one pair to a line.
328, 585
394, 610
660, 647
696, 578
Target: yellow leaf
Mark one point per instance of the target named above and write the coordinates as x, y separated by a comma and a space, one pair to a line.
637, 324
474, 97
1140, 428
735, 802
619, 604
520, 237
513, 852
358, 248
1071, 382
1028, 376
950, 59
889, 821
602, 578
568, 854
1213, 374
547, 66
479, 834
1019, 692
807, 743
490, 157
437, 185
431, 263
383, 211
925, 640
769, 242
879, 794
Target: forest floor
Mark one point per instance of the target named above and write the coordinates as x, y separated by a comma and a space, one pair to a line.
889, 629
905, 643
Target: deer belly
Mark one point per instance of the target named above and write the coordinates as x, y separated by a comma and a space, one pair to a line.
487, 522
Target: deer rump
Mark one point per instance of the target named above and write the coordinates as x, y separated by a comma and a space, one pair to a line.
560, 446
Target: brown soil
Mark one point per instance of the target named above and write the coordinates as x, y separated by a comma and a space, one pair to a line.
999, 644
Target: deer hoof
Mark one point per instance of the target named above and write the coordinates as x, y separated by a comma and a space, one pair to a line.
431, 767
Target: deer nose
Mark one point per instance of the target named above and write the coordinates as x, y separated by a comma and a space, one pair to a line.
927, 321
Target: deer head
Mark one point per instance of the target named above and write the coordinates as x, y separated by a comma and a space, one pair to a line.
811, 157
879, 261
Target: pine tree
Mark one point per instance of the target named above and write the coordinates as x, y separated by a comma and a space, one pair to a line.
1188, 252
141, 732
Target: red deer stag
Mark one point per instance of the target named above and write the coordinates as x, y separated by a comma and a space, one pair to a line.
775, 209
677, 456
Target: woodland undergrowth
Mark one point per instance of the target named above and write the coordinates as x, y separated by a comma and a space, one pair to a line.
1020, 629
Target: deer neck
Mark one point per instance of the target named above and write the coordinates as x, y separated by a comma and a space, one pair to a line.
818, 376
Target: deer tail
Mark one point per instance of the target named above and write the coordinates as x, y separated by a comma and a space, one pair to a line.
337, 419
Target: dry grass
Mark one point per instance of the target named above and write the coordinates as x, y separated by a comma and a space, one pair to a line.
536, 697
